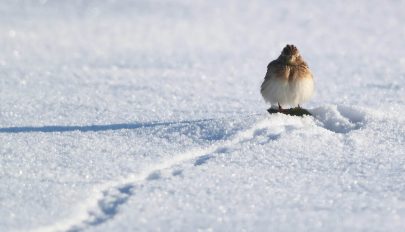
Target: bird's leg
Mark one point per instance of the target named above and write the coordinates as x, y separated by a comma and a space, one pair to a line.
299, 107
280, 109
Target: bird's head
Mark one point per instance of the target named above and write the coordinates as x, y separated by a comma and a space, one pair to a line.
290, 54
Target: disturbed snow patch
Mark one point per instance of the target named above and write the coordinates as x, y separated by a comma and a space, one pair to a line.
339, 119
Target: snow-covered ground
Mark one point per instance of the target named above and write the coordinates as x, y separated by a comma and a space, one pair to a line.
146, 116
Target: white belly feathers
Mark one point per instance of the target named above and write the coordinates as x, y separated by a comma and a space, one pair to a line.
281, 91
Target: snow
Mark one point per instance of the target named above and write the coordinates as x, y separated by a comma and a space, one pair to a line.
147, 116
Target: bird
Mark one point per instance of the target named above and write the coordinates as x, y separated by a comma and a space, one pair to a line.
288, 80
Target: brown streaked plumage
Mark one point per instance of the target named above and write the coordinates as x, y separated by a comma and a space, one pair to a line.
288, 80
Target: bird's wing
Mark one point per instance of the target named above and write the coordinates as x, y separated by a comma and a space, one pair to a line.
270, 69
277, 69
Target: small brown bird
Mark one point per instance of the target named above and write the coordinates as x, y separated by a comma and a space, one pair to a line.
288, 80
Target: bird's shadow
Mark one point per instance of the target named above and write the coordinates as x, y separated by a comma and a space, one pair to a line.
93, 128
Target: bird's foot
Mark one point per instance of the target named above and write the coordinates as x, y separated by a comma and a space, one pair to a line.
280, 109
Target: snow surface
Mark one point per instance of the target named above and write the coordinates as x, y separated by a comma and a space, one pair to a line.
147, 116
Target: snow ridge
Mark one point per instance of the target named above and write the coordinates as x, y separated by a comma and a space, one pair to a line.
105, 206
111, 196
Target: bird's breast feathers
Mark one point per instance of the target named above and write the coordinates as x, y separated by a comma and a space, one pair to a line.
288, 86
